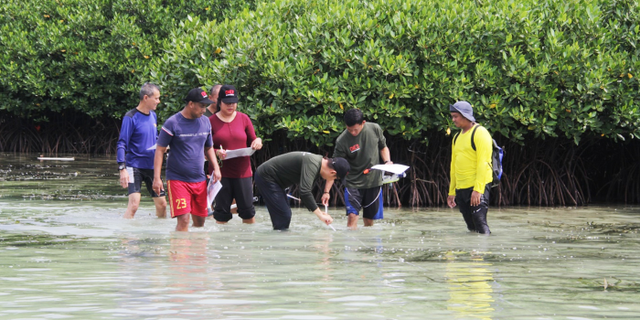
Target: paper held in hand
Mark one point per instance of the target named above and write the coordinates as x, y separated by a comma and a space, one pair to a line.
393, 168
244, 152
212, 190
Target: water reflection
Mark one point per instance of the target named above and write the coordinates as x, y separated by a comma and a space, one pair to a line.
322, 245
469, 281
189, 275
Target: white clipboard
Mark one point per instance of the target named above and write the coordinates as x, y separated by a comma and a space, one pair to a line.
244, 152
393, 168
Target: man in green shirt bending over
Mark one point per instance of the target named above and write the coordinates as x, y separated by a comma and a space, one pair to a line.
471, 171
362, 144
301, 168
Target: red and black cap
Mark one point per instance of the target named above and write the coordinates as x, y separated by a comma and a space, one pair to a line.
198, 95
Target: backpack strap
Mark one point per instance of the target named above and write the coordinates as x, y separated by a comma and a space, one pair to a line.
473, 133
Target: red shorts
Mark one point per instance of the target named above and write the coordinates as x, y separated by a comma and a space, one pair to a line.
187, 197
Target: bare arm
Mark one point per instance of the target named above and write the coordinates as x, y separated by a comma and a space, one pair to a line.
326, 196
385, 154
157, 169
211, 156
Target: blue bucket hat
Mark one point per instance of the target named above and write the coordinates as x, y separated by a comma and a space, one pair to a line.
464, 108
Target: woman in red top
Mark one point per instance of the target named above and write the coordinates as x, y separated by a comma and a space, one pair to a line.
232, 130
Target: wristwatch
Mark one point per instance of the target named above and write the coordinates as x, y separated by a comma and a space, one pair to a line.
121, 166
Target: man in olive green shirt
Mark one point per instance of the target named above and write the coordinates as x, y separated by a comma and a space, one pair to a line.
302, 168
362, 144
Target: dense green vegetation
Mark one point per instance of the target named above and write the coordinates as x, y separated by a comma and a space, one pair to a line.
86, 56
551, 68
554, 80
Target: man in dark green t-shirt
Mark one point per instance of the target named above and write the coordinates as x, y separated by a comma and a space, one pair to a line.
301, 168
362, 144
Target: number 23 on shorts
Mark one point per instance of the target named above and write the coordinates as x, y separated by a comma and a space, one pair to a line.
181, 203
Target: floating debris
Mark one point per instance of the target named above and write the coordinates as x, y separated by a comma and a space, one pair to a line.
56, 159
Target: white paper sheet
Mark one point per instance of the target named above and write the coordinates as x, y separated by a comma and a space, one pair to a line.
212, 190
393, 168
244, 152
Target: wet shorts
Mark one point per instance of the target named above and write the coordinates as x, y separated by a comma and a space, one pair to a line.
137, 176
369, 200
187, 197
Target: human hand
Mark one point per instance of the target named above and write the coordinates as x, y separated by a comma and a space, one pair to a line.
124, 178
216, 175
451, 201
325, 199
326, 218
256, 144
221, 153
475, 198
157, 185
323, 216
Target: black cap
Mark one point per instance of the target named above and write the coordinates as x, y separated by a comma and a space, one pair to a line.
198, 95
228, 94
342, 167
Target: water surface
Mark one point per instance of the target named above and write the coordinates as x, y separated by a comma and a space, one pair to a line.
66, 253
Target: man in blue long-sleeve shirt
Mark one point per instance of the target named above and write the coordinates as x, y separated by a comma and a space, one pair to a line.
136, 150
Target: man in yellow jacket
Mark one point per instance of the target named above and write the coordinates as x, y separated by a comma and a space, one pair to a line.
471, 171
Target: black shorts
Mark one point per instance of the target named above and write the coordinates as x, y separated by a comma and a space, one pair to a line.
368, 200
136, 176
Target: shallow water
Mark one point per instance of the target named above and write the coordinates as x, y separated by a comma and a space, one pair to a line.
66, 253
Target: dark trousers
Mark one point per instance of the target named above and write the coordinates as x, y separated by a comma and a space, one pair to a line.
240, 189
474, 216
277, 203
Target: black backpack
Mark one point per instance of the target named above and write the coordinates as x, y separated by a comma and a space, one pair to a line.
496, 157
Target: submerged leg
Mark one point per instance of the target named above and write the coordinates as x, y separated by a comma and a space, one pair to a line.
132, 206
